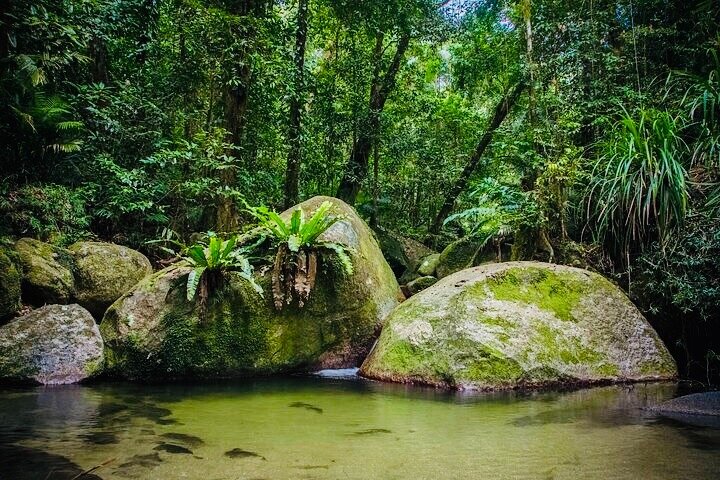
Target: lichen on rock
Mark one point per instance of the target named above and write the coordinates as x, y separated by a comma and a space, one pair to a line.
55, 344
518, 324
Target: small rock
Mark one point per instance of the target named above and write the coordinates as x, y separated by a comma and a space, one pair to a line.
429, 265
420, 284
707, 403
464, 253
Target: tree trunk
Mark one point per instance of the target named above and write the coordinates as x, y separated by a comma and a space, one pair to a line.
99, 67
357, 167
236, 104
292, 174
501, 111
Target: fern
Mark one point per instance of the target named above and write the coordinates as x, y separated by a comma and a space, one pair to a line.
297, 245
210, 259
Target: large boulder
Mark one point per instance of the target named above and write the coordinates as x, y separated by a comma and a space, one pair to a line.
55, 344
154, 332
10, 278
104, 272
464, 253
47, 272
518, 324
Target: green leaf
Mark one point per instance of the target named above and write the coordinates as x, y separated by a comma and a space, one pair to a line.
294, 243
193, 281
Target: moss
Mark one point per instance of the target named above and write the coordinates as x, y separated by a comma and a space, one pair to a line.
402, 357
570, 351
464, 253
607, 370
489, 366
497, 322
550, 291
10, 281
104, 272
421, 284
15, 366
48, 272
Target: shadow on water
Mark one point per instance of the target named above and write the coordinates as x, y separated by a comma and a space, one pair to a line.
20, 463
97, 416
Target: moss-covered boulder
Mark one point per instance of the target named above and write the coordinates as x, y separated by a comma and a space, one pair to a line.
428, 265
464, 253
420, 284
154, 332
47, 272
10, 282
402, 253
55, 344
518, 324
104, 272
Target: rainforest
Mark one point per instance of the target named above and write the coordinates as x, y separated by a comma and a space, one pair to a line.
359, 239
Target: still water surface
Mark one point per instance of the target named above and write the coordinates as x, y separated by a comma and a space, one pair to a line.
321, 428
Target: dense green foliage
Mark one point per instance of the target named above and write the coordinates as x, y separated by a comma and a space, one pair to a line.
122, 118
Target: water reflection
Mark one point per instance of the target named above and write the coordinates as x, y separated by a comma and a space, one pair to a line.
307, 427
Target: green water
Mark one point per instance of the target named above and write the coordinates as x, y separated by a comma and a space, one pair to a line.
317, 428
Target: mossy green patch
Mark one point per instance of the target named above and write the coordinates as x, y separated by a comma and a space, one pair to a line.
550, 291
48, 272
15, 366
10, 281
552, 345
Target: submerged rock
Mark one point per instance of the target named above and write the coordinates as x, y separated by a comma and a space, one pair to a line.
47, 272
154, 332
55, 344
10, 281
707, 403
104, 272
518, 324
240, 453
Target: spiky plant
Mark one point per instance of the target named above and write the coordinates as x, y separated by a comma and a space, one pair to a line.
210, 259
298, 245
639, 189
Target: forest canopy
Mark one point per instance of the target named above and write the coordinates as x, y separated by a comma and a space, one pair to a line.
578, 132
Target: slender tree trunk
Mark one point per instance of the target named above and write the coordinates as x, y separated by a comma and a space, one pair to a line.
501, 111
376, 186
236, 104
357, 167
292, 175
99, 68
